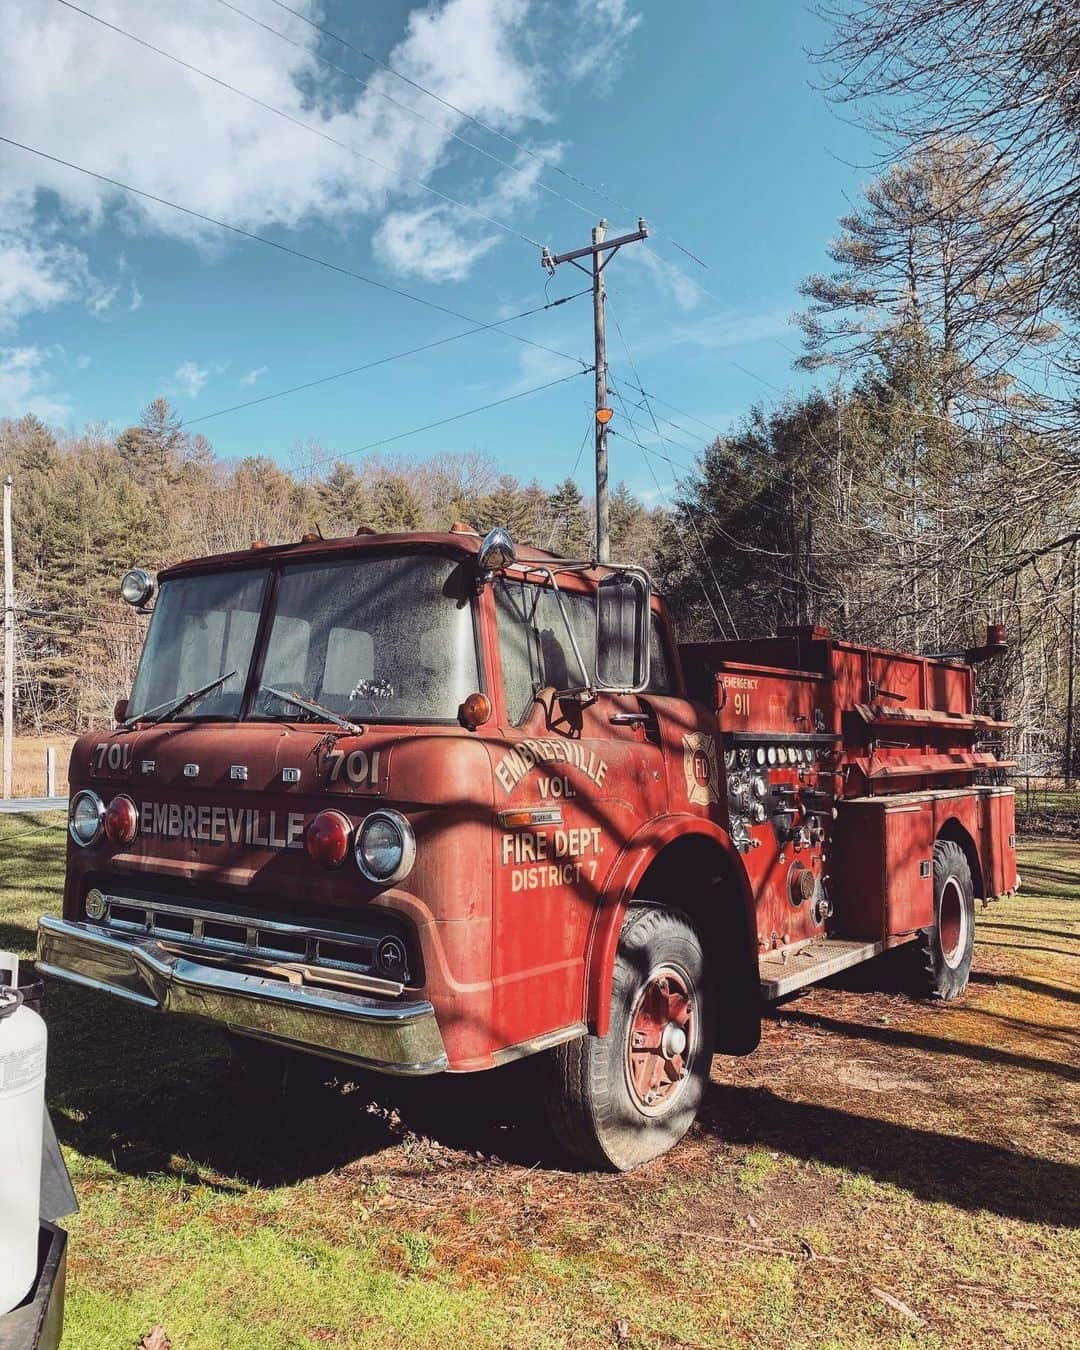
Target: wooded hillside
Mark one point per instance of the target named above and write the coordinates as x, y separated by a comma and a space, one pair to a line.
929, 484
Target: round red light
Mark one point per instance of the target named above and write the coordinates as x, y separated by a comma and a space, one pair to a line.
121, 820
327, 838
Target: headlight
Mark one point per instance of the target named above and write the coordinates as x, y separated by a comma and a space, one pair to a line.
385, 847
86, 817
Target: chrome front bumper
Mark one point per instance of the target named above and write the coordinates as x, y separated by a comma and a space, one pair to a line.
398, 1038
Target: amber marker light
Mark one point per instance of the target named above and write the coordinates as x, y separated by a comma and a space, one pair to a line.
476, 710
327, 838
604, 415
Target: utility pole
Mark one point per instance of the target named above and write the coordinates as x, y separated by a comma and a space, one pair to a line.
1068, 765
600, 252
9, 640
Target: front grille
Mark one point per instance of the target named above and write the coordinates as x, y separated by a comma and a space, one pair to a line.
357, 950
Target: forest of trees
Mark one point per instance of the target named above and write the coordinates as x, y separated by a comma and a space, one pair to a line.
929, 484
87, 507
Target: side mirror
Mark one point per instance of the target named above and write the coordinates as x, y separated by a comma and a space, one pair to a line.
622, 631
120, 708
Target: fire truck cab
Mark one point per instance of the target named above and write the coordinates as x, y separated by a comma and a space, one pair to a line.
427, 802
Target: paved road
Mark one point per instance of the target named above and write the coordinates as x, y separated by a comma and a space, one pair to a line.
17, 805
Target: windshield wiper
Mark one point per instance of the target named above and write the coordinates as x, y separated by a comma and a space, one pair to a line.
164, 710
312, 707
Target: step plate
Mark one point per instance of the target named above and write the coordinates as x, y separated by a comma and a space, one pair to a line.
783, 972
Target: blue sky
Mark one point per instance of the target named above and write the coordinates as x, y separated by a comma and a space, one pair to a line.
699, 117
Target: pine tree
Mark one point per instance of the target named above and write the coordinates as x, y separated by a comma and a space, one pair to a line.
341, 499
569, 521
393, 506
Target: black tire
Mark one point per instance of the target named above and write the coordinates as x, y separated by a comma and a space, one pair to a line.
595, 1100
944, 952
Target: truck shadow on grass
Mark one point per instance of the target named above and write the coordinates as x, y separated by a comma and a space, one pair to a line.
16, 937
965, 1172
147, 1097
1028, 985
149, 1094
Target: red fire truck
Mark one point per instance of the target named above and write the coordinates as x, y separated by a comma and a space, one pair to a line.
426, 802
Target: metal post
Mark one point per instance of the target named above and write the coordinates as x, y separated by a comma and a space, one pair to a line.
603, 529
50, 771
9, 640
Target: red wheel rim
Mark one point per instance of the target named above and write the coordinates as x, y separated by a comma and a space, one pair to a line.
661, 1040
952, 923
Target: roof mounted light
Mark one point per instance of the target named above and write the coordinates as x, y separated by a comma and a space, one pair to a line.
137, 587
497, 550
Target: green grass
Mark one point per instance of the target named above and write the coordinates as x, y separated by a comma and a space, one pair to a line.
871, 1143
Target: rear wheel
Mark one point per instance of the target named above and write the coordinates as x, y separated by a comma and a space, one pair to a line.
945, 951
618, 1100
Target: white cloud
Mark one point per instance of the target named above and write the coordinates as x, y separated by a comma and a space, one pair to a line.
425, 243
189, 378
608, 25
683, 289
82, 362
37, 276
24, 381
254, 375
732, 329
75, 89
78, 90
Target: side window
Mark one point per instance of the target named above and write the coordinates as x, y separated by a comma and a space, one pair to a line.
581, 611
659, 674
519, 645
533, 642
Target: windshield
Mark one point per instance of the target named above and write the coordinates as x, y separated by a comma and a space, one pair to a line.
203, 627
380, 639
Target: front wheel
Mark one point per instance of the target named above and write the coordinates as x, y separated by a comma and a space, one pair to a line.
618, 1100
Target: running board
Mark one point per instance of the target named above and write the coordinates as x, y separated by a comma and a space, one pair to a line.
785, 971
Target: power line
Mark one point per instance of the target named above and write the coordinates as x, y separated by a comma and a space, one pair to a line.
664, 498
457, 417
601, 192
284, 248
381, 361
306, 126
680, 411
573, 472
689, 515
404, 107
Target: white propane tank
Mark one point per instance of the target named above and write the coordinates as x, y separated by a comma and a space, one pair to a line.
22, 1110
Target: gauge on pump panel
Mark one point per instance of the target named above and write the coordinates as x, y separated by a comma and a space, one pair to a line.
781, 755
729, 759
771, 754
759, 754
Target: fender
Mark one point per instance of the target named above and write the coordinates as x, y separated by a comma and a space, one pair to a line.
637, 856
